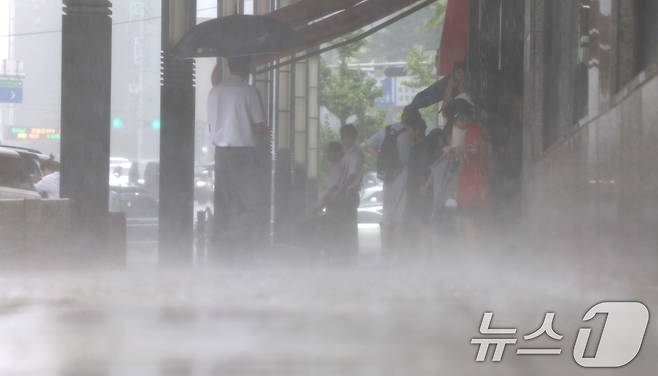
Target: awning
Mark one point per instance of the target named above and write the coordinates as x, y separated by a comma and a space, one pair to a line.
321, 21
454, 39
305, 11
350, 20
259, 35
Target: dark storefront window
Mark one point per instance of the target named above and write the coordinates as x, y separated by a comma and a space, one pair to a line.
648, 52
637, 43
566, 67
568, 61
581, 75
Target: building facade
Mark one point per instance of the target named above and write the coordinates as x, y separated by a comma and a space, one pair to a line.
590, 126
567, 91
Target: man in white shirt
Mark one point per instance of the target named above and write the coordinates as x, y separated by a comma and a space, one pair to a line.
238, 130
48, 186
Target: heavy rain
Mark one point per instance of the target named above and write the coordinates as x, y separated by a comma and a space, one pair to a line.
328, 187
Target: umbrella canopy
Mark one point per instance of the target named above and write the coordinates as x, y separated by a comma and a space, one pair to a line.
454, 38
238, 35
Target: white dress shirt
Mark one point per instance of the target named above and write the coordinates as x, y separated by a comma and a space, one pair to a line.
353, 161
49, 185
234, 107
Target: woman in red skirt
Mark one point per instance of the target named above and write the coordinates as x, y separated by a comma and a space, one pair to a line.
472, 177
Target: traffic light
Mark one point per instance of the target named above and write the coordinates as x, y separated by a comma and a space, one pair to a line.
117, 123
155, 124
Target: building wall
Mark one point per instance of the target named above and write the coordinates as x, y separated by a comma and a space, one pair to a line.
591, 184
495, 81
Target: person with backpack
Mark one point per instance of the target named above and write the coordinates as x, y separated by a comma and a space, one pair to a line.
418, 197
391, 146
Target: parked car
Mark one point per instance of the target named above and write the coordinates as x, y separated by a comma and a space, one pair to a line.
372, 196
204, 183
15, 182
370, 179
369, 219
120, 172
32, 159
141, 211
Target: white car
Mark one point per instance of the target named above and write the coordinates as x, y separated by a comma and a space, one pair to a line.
120, 172
372, 196
15, 182
369, 219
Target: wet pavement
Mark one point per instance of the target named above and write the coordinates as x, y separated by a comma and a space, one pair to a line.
367, 320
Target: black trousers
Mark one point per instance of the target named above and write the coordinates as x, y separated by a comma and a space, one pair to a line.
241, 200
346, 228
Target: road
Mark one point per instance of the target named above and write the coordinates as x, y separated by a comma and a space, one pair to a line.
294, 320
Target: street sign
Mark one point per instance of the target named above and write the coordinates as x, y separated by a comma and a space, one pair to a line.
28, 133
11, 91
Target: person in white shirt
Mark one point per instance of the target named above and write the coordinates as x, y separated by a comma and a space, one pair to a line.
321, 233
353, 161
334, 181
239, 132
48, 186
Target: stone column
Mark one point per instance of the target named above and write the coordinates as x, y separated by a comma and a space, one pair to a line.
534, 79
534, 75
177, 104
313, 131
299, 140
85, 117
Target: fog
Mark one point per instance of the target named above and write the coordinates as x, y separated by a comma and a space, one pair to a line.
283, 318
176, 247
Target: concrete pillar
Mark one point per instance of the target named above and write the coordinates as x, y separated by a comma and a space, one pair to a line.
533, 96
299, 136
86, 83
534, 79
313, 130
282, 132
177, 103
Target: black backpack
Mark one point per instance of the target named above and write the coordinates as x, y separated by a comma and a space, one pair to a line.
388, 159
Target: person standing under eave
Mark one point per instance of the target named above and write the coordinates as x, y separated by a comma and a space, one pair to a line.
353, 161
472, 194
391, 146
239, 132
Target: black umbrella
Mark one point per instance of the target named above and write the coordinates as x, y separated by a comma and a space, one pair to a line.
238, 35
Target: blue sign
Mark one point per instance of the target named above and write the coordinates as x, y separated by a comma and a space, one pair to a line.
11, 91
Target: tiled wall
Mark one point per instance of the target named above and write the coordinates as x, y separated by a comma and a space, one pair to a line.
595, 194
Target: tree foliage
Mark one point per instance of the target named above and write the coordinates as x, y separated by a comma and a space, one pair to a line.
347, 92
420, 67
438, 14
